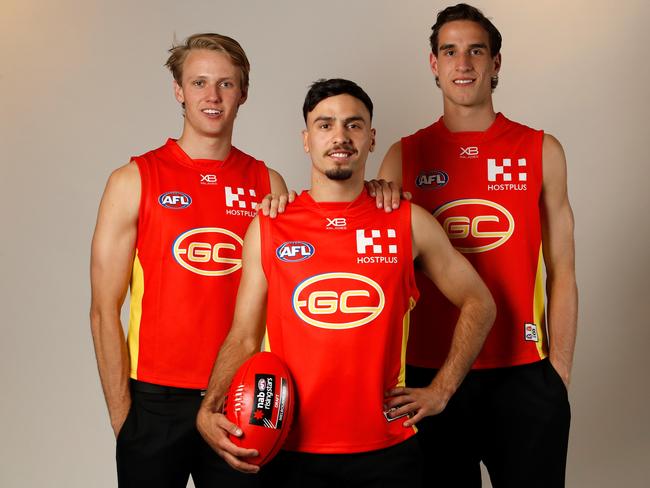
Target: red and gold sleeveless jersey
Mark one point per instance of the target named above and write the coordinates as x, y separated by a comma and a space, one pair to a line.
341, 286
484, 189
192, 219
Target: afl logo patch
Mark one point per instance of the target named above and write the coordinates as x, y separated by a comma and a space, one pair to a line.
431, 179
338, 300
294, 251
208, 251
175, 200
474, 225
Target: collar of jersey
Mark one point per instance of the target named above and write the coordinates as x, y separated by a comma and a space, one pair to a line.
182, 158
495, 129
329, 207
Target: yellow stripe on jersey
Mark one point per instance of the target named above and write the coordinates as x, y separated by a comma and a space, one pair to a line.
538, 306
406, 322
266, 344
137, 291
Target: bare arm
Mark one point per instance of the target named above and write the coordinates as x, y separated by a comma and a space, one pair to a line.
461, 284
110, 271
559, 258
242, 342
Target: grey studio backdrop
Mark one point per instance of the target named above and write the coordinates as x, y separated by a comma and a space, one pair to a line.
82, 88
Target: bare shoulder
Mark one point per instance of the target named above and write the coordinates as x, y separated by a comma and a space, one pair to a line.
122, 194
125, 178
278, 186
554, 160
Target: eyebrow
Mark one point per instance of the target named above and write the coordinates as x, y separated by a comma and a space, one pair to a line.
324, 118
444, 47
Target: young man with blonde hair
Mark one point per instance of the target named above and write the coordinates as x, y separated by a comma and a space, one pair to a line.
171, 224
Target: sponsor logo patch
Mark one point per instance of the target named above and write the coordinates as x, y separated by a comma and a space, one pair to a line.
474, 225
338, 300
507, 175
208, 179
469, 152
175, 200
431, 179
270, 401
373, 244
530, 332
208, 251
294, 251
336, 223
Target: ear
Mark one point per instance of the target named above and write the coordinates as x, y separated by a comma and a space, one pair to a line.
305, 140
178, 92
497, 63
373, 135
244, 97
433, 62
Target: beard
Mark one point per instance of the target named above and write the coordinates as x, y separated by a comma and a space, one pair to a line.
339, 174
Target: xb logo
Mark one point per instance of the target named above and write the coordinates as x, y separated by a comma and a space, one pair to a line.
338, 300
208, 179
469, 152
336, 223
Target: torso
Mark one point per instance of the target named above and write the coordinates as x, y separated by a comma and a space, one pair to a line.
484, 189
341, 286
192, 219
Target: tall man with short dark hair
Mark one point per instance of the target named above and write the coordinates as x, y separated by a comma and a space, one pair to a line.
499, 190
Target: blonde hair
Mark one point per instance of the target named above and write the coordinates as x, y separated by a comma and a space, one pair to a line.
214, 42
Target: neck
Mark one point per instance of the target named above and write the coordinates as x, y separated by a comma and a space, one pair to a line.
198, 146
458, 118
325, 190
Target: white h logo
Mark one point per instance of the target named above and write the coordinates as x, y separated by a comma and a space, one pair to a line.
232, 197
495, 170
363, 241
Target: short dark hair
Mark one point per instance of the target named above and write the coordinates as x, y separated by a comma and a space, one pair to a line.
462, 11
322, 89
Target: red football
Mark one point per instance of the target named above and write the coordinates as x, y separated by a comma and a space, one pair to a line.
260, 402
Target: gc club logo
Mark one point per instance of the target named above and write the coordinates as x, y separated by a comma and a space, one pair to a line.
474, 225
431, 179
175, 200
208, 251
338, 300
294, 251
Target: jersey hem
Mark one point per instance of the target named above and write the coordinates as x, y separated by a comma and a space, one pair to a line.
316, 449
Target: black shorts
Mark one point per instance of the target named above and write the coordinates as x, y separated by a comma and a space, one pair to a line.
159, 445
397, 466
515, 420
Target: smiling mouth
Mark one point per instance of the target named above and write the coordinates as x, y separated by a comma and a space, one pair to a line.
340, 155
463, 82
212, 111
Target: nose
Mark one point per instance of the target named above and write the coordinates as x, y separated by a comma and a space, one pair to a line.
464, 62
214, 93
341, 135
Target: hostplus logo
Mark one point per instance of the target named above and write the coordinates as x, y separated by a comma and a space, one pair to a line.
376, 246
241, 201
506, 175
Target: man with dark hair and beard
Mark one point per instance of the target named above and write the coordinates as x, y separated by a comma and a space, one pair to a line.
338, 314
